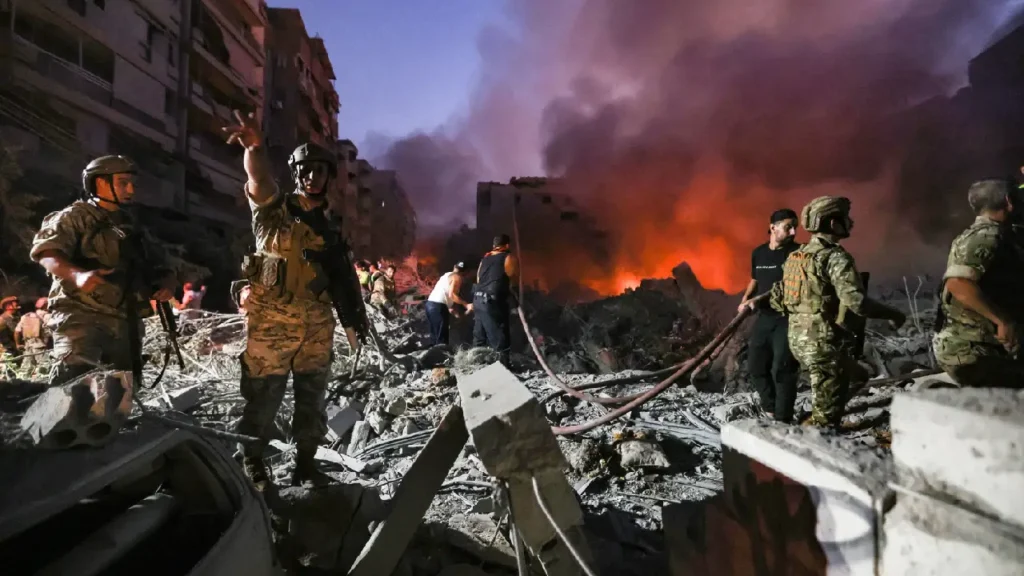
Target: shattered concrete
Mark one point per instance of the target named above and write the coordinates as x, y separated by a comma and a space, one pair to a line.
624, 508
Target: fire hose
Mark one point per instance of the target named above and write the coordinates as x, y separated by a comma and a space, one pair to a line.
631, 402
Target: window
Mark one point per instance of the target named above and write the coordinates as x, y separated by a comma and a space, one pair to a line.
152, 32
101, 4
172, 50
170, 101
570, 216
483, 198
545, 199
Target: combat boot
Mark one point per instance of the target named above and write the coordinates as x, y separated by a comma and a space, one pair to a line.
306, 470
256, 470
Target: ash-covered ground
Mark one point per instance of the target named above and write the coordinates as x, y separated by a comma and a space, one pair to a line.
665, 451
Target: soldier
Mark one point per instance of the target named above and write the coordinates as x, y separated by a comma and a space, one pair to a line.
8, 322
383, 295
290, 323
977, 340
89, 250
33, 336
820, 286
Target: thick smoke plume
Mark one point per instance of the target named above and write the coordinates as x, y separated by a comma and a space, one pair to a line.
682, 124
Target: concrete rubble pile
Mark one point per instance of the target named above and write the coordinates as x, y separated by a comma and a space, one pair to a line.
383, 411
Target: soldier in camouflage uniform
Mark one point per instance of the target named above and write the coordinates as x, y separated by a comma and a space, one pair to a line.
977, 341
81, 248
820, 287
33, 335
290, 326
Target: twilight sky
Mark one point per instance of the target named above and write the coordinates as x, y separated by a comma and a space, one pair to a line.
401, 65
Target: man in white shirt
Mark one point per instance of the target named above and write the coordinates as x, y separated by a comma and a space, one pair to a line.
438, 305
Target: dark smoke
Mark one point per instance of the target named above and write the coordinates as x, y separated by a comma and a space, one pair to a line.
643, 106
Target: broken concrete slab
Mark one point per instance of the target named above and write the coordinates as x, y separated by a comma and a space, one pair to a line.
86, 412
180, 400
507, 423
396, 407
413, 496
360, 434
515, 443
477, 534
341, 418
966, 443
642, 454
377, 422
924, 535
792, 488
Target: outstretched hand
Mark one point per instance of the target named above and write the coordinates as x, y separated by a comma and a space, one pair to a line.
246, 132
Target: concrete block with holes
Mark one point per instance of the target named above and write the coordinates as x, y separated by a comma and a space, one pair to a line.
88, 411
966, 444
514, 441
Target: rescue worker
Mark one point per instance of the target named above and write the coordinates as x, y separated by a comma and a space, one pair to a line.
495, 278
8, 323
820, 287
290, 328
439, 303
32, 335
383, 295
977, 340
87, 248
773, 370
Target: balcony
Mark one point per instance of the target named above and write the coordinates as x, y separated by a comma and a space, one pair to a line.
210, 65
242, 33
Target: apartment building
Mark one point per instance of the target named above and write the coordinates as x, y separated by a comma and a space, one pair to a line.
151, 79
303, 104
347, 204
392, 218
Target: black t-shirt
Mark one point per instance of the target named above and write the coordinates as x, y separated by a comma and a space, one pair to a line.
766, 269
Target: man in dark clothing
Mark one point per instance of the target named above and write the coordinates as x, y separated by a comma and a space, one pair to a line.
491, 298
773, 370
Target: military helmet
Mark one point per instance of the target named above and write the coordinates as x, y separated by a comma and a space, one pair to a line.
106, 166
310, 152
820, 210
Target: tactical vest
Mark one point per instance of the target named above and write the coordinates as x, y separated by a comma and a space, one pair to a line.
286, 275
806, 286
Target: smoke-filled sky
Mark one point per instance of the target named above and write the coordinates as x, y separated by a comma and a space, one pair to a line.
682, 124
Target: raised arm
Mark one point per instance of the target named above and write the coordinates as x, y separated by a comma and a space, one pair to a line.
260, 186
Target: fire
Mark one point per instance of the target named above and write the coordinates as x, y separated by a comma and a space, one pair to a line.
711, 223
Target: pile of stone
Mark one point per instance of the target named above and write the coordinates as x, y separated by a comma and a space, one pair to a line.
382, 414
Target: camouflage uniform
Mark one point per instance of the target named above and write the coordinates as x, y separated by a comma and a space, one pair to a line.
383, 296
290, 328
34, 331
88, 329
966, 346
820, 287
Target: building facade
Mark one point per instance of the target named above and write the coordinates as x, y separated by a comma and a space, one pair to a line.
151, 79
546, 215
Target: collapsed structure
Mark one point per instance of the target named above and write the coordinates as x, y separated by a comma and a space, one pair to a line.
440, 454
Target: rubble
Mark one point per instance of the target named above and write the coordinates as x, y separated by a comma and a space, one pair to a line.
85, 412
667, 452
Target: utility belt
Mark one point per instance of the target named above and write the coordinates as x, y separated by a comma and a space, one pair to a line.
268, 276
